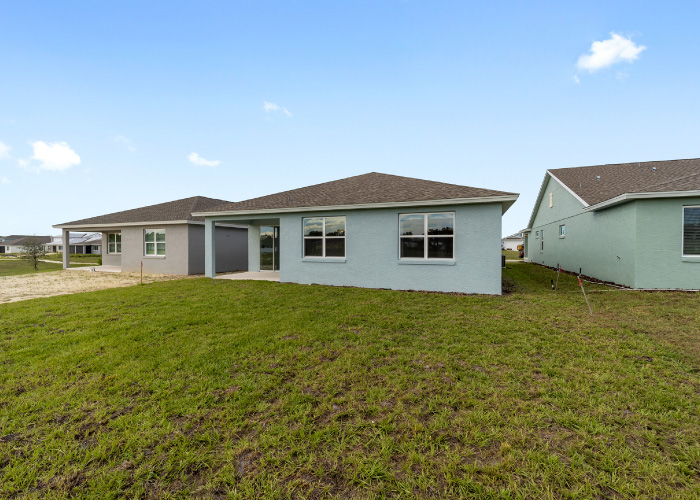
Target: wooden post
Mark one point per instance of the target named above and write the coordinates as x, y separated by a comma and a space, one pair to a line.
142, 272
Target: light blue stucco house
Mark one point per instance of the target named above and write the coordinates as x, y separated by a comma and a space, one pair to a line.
374, 231
635, 224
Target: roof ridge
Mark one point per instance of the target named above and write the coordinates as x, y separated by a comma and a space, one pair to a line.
625, 163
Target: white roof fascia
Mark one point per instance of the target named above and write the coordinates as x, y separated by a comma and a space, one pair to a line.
541, 194
539, 198
146, 223
583, 202
624, 198
398, 204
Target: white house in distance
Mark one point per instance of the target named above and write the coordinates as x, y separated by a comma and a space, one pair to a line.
80, 243
511, 242
14, 242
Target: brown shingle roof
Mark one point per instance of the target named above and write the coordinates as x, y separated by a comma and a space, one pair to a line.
617, 179
163, 212
367, 188
21, 240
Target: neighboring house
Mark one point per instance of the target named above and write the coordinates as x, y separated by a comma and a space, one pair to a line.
636, 224
375, 231
511, 242
14, 242
80, 243
165, 237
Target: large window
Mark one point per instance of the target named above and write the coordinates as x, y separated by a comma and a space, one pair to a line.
691, 231
427, 236
324, 237
154, 242
114, 243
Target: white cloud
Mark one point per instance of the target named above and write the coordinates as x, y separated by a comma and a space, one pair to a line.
195, 159
125, 141
4, 180
576, 80
56, 156
274, 108
605, 53
4, 150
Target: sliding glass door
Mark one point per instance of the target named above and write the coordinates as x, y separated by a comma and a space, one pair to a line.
269, 248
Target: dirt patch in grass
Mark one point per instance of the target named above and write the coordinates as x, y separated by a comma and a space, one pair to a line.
32, 286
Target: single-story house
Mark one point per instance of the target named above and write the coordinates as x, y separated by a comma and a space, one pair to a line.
80, 243
14, 242
375, 231
166, 237
635, 224
511, 242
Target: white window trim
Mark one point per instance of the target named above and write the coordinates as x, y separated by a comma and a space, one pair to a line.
683, 254
155, 243
323, 238
115, 244
425, 237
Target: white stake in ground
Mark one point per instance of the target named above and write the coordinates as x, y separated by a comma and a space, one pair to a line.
584, 295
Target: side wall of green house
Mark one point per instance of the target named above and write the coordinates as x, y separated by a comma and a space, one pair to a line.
659, 245
599, 244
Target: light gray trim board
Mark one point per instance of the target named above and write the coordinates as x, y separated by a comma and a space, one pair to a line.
144, 223
583, 202
457, 201
540, 194
623, 198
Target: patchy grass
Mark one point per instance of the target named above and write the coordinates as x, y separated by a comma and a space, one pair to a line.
231, 389
510, 254
14, 267
74, 257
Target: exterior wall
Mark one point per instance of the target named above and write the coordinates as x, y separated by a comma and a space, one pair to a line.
254, 248
231, 249
175, 260
372, 252
637, 244
109, 259
598, 244
659, 245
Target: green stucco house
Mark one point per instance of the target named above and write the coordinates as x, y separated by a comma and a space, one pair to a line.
635, 224
374, 231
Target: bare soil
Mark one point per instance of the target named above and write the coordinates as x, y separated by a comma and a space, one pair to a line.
32, 286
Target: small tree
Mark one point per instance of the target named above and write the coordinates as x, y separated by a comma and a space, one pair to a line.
32, 251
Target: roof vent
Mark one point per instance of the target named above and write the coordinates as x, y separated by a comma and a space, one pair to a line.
597, 177
653, 169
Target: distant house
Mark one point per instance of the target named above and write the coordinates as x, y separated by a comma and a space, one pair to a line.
374, 231
80, 243
636, 224
166, 238
14, 242
511, 242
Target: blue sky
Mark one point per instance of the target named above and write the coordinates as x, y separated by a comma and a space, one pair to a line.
488, 95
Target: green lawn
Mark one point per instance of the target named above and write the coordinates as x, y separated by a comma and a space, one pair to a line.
13, 267
510, 254
232, 389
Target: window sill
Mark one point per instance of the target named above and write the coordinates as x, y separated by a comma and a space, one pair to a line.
691, 259
154, 256
428, 262
562, 237
328, 260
